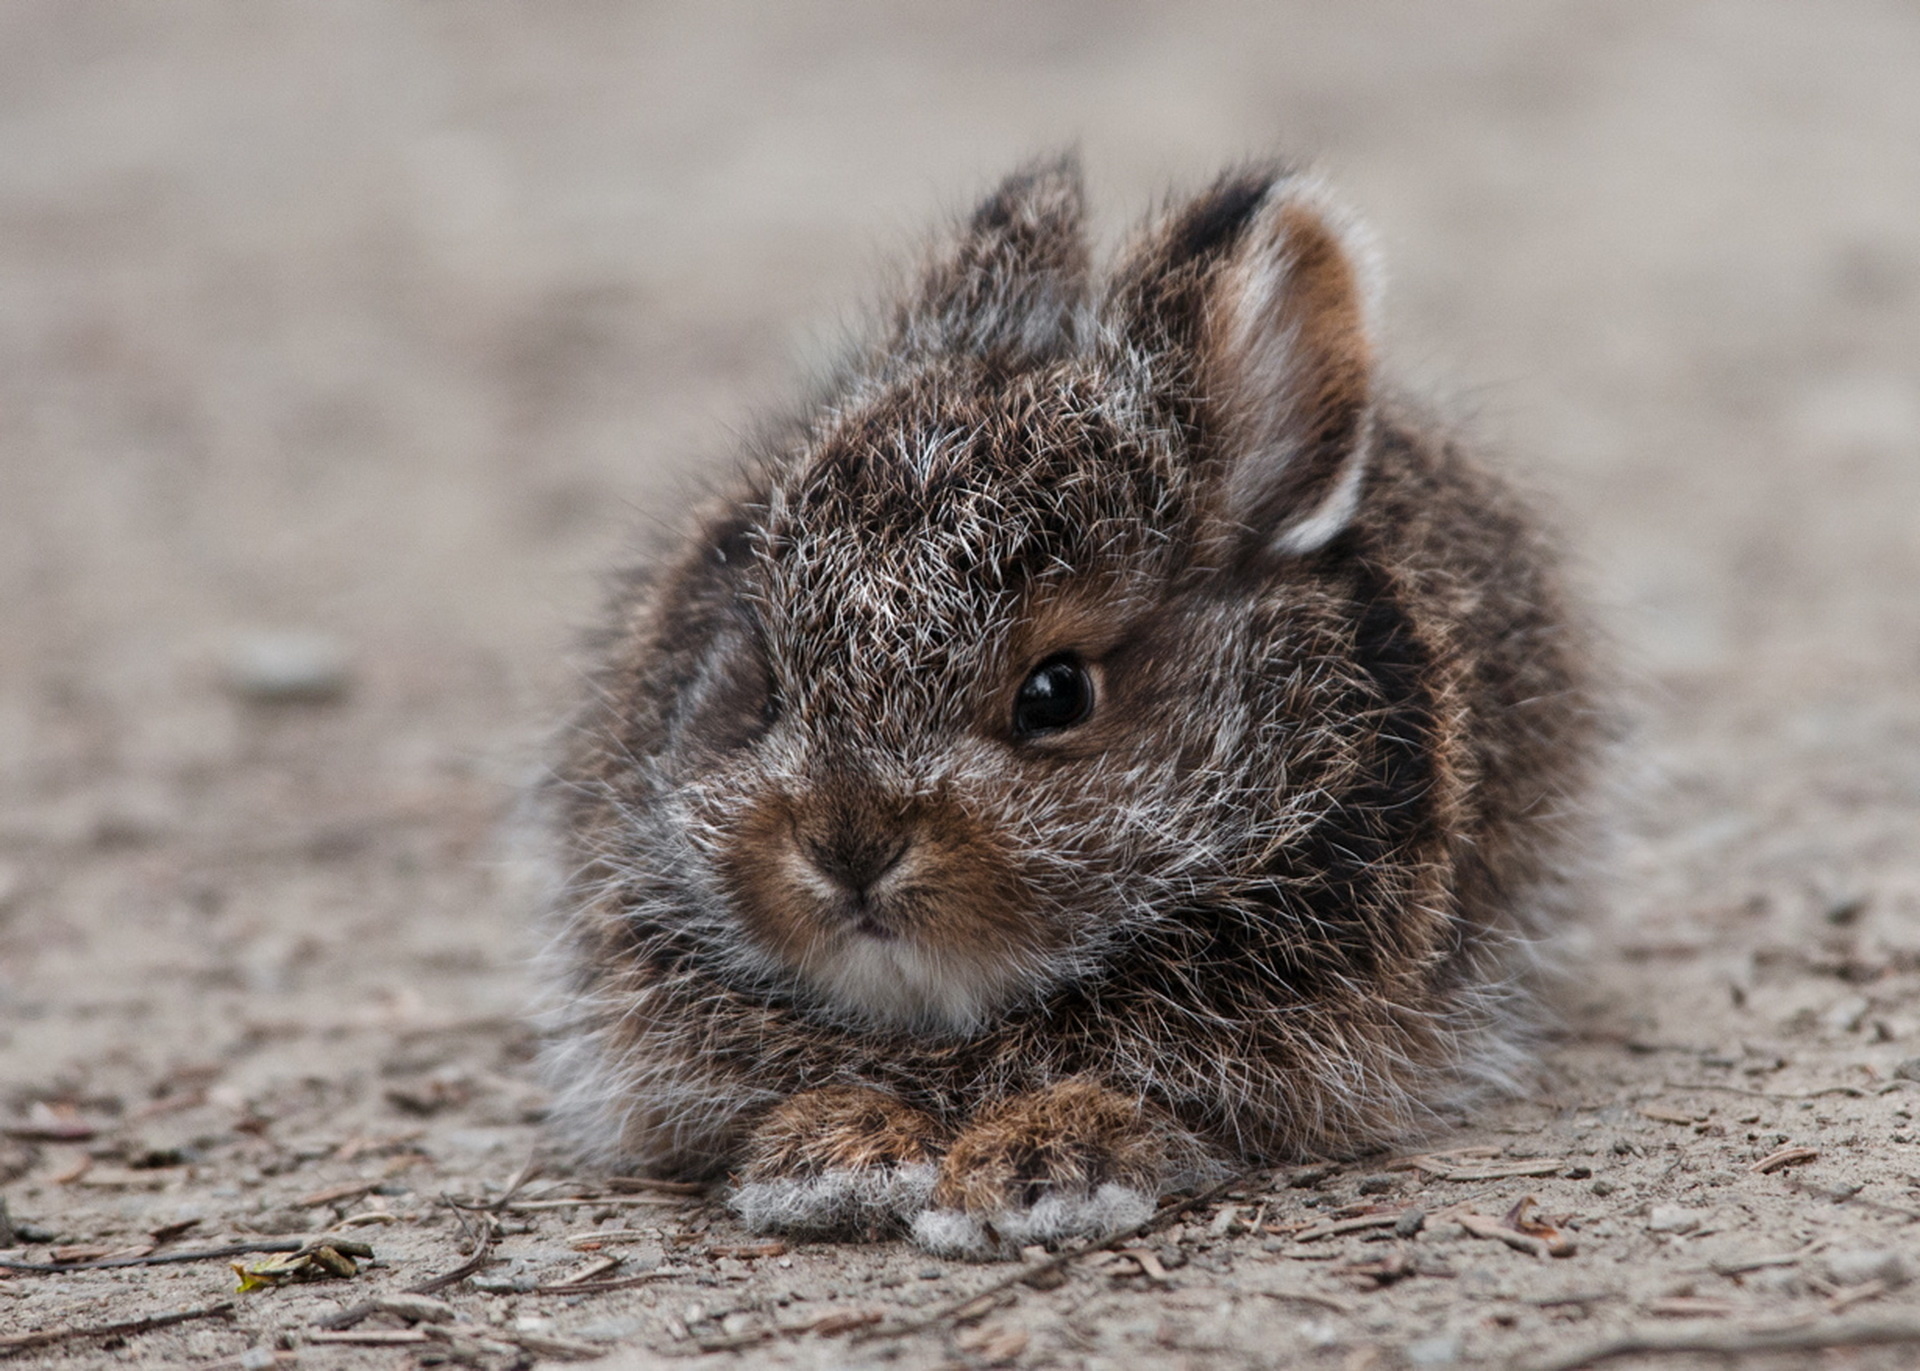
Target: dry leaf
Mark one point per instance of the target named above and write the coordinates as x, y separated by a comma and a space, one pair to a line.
323, 1259
1520, 1219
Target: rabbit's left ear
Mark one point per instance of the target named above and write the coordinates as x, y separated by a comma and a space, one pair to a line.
1013, 282
1258, 298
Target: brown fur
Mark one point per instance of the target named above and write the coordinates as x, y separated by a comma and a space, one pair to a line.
1274, 891
1069, 1138
840, 1128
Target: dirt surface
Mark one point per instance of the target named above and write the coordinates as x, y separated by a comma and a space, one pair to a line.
388, 325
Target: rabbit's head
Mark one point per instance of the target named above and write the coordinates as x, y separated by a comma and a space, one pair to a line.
1013, 650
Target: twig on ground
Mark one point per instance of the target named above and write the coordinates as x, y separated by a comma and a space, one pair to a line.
592, 1271
596, 1201
517, 1182
367, 1337
830, 1325
1850, 1195
662, 1187
1859, 1294
1335, 1227
594, 1238
479, 1261
1575, 1297
1302, 1297
1786, 1156
1740, 1266
1513, 1230
1504, 1171
1732, 1342
125, 1328
1480, 1163
203, 1254
619, 1283
484, 1232
1728, 1088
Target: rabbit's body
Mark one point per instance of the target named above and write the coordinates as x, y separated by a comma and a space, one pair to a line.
1102, 740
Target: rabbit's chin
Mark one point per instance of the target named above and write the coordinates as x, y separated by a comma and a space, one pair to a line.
902, 983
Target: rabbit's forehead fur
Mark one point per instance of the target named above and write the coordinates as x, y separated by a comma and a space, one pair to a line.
922, 526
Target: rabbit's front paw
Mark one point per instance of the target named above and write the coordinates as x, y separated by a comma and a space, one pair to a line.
1071, 1161
844, 1161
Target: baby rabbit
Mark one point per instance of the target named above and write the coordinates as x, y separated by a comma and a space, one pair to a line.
1104, 740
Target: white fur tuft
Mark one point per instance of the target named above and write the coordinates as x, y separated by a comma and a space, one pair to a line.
839, 1201
1107, 1211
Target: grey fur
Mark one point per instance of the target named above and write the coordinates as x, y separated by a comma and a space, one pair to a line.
1280, 888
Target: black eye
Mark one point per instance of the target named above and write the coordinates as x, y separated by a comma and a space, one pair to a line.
1058, 695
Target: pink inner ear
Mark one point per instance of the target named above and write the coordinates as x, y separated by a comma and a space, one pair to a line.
1289, 364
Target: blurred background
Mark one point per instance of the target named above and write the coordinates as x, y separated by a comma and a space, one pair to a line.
342, 345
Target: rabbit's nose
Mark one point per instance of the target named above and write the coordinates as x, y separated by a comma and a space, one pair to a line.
857, 861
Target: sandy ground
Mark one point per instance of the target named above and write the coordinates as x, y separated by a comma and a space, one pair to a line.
391, 323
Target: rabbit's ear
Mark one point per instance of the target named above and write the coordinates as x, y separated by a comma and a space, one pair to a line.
1014, 281
1256, 300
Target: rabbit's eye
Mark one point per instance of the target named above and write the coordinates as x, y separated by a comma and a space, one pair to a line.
1059, 694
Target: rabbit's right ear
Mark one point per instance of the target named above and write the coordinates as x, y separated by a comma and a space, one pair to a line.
1015, 280
1252, 303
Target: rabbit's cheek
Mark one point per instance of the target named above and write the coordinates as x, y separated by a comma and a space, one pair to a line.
938, 932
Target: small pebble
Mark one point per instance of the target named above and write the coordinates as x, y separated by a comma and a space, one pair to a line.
1846, 1015
1441, 1351
505, 1285
416, 1308
931, 1273
610, 1330
1671, 1218
1775, 1280
1909, 1070
1377, 1185
288, 668
1410, 1223
1859, 1266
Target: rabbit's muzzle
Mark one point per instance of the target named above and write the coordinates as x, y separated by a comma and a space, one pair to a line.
858, 867
901, 913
